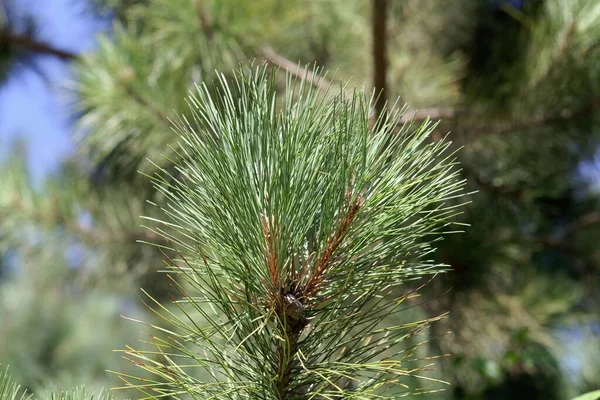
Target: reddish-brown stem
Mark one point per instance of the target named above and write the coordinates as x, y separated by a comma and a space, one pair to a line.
318, 275
271, 252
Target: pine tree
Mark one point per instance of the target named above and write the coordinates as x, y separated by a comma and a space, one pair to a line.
515, 82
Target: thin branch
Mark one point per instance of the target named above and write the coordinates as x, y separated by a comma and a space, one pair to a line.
268, 53
205, 20
33, 45
53, 219
437, 113
294, 68
535, 121
271, 255
316, 278
146, 103
431, 113
566, 245
285, 354
87, 235
512, 194
583, 221
45, 48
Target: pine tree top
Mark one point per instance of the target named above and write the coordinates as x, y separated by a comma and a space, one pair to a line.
297, 220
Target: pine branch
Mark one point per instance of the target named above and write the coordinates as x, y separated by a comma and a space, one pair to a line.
35, 46
507, 193
286, 353
297, 70
292, 274
435, 113
45, 48
160, 116
53, 220
205, 20
591, 218
86, 235
267, 53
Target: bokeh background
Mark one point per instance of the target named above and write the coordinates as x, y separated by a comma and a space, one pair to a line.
86, 91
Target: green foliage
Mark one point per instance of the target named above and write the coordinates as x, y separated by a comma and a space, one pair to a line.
135, 67
63, 281
58, 327
10, 390
595, 395
123, 70
563, 50
297, 226
80, 393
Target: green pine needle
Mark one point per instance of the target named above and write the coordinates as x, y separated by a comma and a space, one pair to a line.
10, 390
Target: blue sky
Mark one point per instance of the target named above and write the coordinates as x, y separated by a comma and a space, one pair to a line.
34, 106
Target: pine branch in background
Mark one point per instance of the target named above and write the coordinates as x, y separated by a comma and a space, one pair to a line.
30, 44
297, 228
471, 121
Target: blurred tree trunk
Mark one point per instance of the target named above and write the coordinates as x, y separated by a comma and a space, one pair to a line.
379, 54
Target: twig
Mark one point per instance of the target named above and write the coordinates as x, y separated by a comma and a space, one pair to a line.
294, 68
271, 255
537, 120
87, 235
425, 113
146, 103
285, 353
564, 244
36, 46
508, 193
583, 221
317, 276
